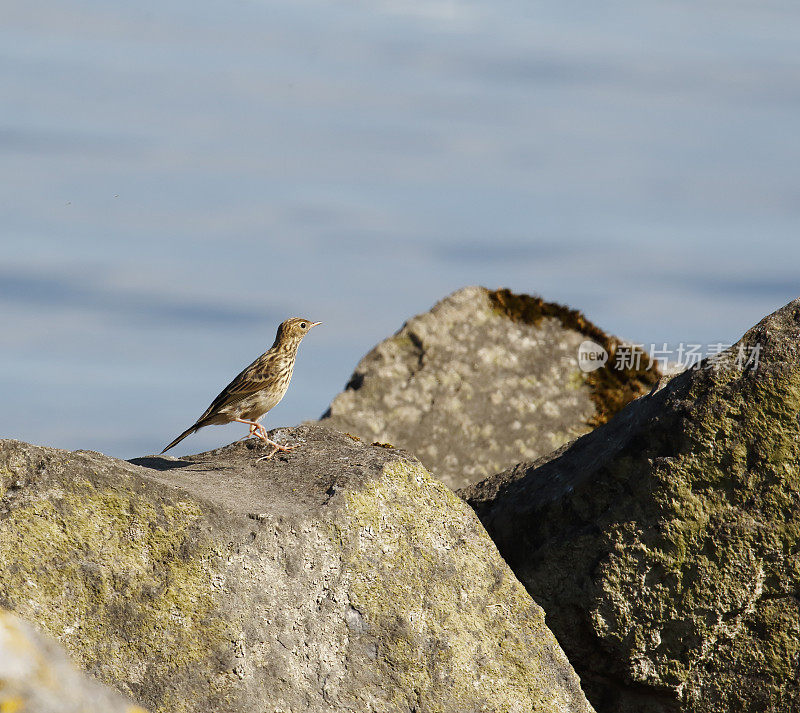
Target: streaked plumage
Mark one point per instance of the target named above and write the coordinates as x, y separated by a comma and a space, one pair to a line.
258, 388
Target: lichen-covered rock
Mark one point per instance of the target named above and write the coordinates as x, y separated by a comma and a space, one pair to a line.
665, 545
483, 381
37, 677
336, 577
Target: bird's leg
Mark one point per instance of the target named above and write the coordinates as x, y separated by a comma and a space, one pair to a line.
257, 429
260, 426
249, 435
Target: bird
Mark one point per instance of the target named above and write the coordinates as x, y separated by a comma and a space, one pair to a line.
258, 388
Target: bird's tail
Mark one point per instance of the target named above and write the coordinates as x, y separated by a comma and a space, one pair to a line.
188, 432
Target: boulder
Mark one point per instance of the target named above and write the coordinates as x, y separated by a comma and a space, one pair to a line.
335, 577
665, 545
37, 677
483, 381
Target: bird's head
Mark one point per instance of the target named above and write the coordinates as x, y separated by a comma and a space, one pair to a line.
293, 330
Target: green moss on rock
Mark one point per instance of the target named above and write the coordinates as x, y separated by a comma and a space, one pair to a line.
664, 546
489, 639
37, 677
89, 553
724, 528
340, 578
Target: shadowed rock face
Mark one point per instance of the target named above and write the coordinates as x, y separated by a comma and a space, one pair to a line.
482, 381
37, 677
336, 577
665, 545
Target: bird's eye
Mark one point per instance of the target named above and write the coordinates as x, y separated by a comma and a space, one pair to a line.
302, 325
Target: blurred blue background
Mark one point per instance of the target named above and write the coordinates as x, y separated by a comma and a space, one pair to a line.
179, 176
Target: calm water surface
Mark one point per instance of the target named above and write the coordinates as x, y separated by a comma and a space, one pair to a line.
177, 177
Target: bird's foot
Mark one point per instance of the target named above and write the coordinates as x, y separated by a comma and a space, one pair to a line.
275, 448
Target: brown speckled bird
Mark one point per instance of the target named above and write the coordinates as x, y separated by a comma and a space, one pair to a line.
258, 388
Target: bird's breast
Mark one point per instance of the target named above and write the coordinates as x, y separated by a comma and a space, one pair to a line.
257, 404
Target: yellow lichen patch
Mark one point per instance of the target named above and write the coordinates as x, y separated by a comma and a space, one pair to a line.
5, 478
429, 582
11, 705
115, 576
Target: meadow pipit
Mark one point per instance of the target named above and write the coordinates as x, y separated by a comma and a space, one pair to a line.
258, 388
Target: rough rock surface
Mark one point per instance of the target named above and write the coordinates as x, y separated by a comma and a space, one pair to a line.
483, 381
665, 545
336, 577
37, 677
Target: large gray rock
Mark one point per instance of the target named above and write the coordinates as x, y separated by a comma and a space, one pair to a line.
483, 381
336, 577
37, 677
665, 545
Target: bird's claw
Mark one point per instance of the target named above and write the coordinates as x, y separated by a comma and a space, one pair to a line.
275, 448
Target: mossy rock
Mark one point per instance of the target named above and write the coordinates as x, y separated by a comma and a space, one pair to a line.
337, 577
37, 677
484, 380
665, 545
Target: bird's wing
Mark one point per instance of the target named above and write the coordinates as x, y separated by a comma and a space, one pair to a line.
249, 381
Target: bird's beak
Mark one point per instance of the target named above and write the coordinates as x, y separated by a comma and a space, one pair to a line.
314, 324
